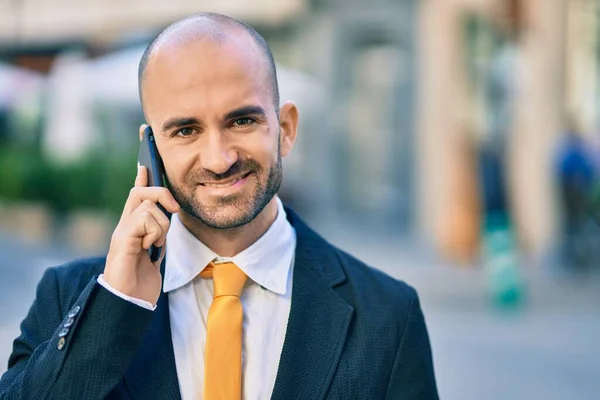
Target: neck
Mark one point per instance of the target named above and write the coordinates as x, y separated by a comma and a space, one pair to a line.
230, 242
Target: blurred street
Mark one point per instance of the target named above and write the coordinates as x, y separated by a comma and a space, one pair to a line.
480, 352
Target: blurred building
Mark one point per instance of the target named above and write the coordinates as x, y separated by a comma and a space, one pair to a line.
554, 73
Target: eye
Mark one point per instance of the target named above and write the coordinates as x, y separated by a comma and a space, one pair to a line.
184, 132
243, 121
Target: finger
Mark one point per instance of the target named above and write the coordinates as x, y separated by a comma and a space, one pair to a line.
162, 220
158, 215
153, 230
141, 131
161, 240
155, 194
144, 226
141, 179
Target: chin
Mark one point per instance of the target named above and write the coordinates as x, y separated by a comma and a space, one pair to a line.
223, 216
228, 221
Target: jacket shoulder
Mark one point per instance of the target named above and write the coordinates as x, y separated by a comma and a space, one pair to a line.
376, 290
80, 269
72, 278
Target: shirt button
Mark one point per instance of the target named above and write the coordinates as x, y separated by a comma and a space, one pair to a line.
63, 332
74, 311
61, 343
69, 322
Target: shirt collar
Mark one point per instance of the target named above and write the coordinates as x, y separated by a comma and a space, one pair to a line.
267, 261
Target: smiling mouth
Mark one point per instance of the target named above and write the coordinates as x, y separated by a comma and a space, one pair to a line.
226, 183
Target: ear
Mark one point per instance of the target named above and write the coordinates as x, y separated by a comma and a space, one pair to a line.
142, 127
288, 122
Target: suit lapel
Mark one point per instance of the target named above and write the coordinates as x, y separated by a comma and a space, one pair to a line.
318, 321
152, 374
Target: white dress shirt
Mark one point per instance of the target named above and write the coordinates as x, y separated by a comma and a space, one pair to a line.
266, 300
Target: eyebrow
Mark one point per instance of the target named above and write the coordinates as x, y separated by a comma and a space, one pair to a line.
179, 122
246, 110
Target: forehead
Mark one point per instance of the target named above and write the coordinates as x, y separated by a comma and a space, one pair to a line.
188, 75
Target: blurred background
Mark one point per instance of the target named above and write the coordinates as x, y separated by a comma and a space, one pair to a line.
453, 144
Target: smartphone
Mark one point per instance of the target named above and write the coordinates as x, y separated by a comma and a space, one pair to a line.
150, 158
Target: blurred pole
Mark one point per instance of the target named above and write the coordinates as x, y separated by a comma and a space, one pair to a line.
581, 72
448, 211
539, 117
438, 44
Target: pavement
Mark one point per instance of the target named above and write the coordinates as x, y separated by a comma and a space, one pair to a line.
546, 349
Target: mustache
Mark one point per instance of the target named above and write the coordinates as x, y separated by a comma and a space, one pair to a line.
238, 168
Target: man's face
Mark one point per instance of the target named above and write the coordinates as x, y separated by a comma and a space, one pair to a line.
216, 128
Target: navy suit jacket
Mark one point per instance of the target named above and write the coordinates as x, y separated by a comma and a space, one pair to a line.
353, 333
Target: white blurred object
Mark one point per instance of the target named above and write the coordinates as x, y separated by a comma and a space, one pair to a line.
17, 83
304, 90
69, 130
113, 78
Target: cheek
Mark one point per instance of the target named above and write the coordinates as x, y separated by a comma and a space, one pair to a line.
263, 151
177, 165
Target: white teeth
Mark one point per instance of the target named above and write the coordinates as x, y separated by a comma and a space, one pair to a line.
222, 185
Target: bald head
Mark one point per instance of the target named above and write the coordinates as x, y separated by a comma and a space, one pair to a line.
218, 29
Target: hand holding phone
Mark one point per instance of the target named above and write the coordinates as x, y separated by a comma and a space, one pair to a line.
143, 224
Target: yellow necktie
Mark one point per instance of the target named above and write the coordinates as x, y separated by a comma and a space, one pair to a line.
223, 353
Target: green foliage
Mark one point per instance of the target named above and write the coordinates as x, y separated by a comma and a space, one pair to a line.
99, 181
12, 169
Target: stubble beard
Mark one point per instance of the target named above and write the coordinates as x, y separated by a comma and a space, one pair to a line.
240, 209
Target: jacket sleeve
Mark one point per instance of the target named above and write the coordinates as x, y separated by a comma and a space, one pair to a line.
79, 354
412, 376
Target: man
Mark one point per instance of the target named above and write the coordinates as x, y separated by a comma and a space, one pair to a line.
289, 316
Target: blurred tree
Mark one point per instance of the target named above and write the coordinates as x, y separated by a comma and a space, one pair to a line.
99, 181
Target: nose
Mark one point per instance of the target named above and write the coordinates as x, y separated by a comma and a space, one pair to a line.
217, 155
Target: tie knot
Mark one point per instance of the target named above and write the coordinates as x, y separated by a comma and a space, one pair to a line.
228, 279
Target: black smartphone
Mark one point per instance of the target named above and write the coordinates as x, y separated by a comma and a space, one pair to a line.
150, 158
